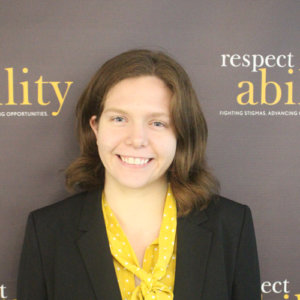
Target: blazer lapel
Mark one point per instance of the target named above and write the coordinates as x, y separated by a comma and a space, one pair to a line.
94, 248
193, 245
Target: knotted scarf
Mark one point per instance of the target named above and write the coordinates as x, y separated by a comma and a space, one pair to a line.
152, 284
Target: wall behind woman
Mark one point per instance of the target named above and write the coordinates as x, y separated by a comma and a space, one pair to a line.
243, 59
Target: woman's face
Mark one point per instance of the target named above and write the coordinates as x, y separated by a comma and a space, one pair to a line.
135, 136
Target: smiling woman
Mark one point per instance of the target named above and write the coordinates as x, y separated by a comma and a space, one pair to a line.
149, 223
191, 181
136, 140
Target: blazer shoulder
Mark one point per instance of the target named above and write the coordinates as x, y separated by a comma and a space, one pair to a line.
231, 214
61, 207
228, 206
64, 213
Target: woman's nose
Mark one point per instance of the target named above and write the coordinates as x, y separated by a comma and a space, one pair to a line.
137, 136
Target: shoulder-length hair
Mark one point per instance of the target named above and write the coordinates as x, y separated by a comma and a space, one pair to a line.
192, 184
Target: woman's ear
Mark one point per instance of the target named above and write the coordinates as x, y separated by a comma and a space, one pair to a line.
94, 125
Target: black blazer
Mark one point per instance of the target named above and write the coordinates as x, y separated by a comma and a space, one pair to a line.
66, 255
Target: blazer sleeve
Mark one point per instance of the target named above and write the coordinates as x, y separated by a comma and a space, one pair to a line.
31, 283
246, 285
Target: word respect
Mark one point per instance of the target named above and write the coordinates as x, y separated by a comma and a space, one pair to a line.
256, 61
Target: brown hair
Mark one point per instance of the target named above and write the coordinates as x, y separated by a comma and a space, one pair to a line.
191, 182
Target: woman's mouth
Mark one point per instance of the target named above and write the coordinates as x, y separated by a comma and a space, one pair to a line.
134, 161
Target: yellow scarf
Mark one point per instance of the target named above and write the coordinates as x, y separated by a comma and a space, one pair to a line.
151, 286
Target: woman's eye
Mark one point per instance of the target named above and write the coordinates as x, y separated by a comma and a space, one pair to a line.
118, 119
158, 124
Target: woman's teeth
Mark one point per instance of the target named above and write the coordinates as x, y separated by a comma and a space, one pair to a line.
135, 161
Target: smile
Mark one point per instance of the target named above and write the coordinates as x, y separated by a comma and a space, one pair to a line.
138, 161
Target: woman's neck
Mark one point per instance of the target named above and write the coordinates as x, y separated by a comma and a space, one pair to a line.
137, 204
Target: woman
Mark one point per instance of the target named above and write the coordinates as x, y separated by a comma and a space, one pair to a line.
149, 224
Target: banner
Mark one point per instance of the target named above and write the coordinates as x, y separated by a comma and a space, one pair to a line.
244, 62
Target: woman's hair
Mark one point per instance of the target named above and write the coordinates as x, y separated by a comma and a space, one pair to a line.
192, 184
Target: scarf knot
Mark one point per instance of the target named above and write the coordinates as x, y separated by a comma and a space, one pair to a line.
152, 289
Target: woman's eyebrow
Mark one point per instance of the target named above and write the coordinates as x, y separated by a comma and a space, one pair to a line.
114, 110
121, 111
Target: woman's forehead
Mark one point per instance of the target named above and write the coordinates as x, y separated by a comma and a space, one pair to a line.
132, 84
145, 92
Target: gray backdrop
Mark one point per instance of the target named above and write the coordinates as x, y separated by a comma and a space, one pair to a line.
255, 156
